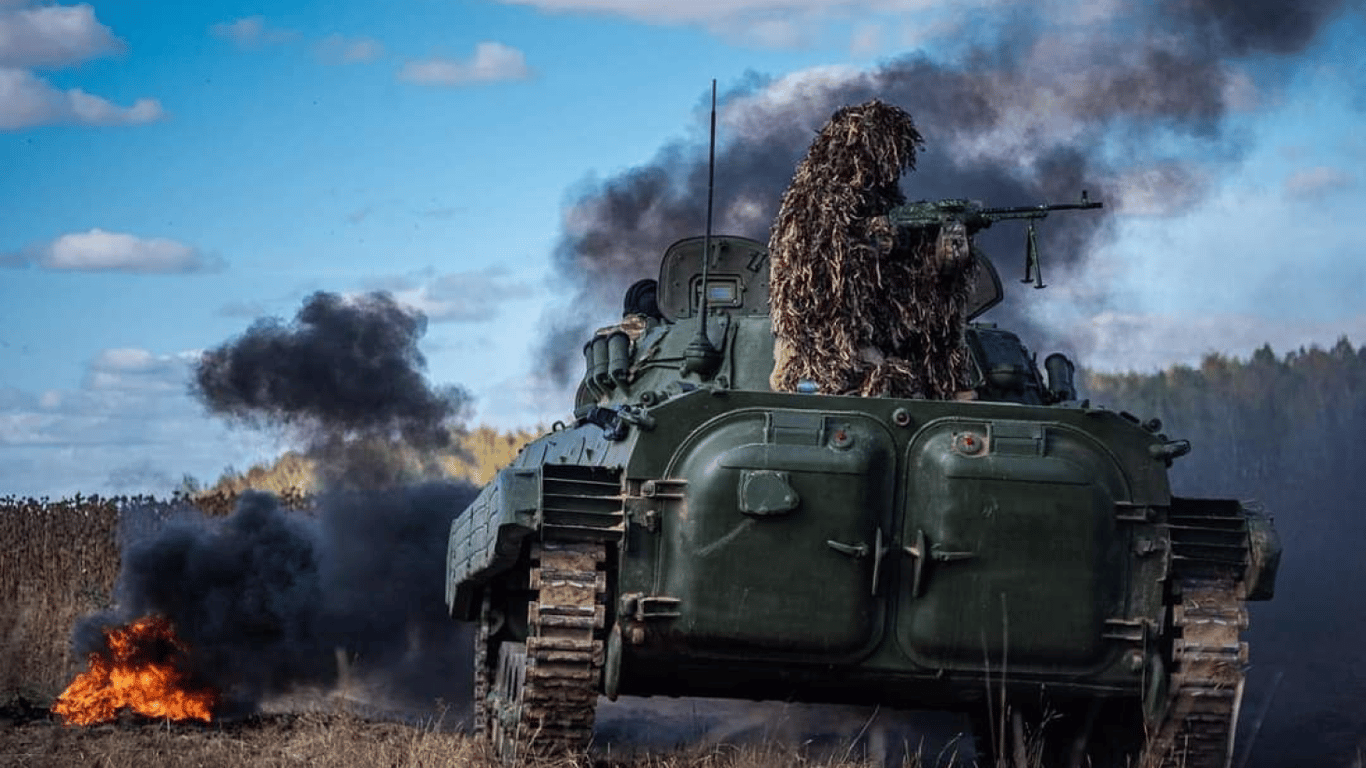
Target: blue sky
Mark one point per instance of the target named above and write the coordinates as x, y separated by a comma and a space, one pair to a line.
171, 171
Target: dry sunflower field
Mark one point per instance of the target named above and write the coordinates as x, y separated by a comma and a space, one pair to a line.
61, 561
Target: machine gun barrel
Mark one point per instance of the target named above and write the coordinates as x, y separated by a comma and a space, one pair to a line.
1036, 211
928, 214
976, 217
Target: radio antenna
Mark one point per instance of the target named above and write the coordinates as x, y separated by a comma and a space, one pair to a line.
701, 356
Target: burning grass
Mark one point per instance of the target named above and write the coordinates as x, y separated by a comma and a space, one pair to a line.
143, 668
61, 561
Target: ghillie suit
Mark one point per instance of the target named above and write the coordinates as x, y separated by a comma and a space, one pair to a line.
861, 306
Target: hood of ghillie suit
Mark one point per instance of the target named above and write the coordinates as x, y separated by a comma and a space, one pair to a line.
860, 306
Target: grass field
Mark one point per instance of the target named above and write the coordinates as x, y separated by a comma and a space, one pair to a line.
280, 741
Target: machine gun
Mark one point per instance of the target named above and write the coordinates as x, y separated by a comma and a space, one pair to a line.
975, 217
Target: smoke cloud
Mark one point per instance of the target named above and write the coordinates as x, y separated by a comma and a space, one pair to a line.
1024, 109
350, 594
346, 376
271, 601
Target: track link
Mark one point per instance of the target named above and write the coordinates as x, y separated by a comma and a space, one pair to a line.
546, 689
481, 671
1208, 672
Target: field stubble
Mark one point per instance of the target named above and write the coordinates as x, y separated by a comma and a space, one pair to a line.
283, 741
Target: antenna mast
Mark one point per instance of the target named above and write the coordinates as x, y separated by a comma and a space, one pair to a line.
701, 356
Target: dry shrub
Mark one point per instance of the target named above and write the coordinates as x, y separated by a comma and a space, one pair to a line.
861, 306
290, 473
220, 502
482, 451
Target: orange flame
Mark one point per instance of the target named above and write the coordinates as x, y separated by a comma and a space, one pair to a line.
142, 670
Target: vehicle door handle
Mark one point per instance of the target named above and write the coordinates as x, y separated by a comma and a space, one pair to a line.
921, 552
859, 551
856, 551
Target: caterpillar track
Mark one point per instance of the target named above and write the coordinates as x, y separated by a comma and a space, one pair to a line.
540, 695
1208, 661
481, 675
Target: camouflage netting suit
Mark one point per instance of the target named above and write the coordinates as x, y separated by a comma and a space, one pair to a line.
860, 307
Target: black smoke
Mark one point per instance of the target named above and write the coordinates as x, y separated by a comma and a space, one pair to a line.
346, 376
349, 597
1025, 108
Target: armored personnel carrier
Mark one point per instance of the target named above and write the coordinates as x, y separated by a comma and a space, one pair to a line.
1017, 556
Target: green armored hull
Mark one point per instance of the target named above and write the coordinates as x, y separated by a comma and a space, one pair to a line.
693, 533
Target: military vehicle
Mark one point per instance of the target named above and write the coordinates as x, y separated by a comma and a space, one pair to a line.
693, 533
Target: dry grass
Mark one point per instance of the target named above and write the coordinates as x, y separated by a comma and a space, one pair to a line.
60, 563
310, 739
282, 741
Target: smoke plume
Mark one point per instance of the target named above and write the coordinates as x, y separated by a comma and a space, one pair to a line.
349, 596
345, 376
273, 601
1022, 110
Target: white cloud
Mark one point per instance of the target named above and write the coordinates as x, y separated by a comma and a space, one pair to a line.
130, 427
527, 400
774, 32
123, 359
795, 96
764, 23
1121, 342
251, 32
492, 61
867, 39
1314, 183
57, 36
53, 35
335, 49
458, 297
101, 251
719, 10
131, 369
27, 101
